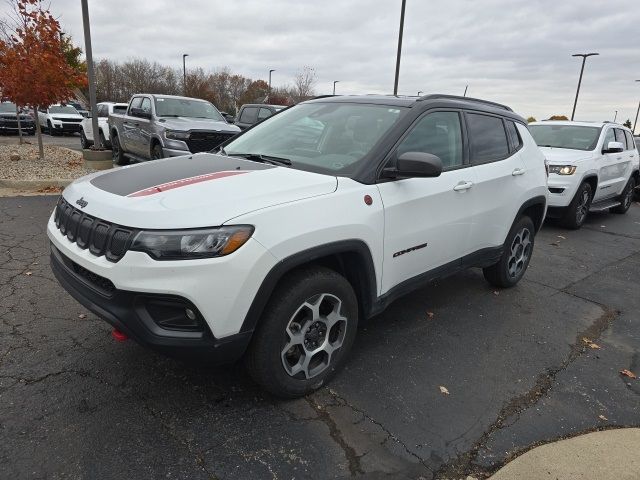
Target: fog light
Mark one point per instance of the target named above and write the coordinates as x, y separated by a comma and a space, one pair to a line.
190, 314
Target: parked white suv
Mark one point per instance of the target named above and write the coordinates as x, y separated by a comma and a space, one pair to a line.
104, 109
592, 167
275, 247
59, 119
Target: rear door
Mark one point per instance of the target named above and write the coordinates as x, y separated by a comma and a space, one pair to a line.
144, 130
129, 126
609, 171
428, 220
633, 153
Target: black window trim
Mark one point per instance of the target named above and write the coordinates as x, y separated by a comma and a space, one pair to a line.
466, 112
518, 141
391, 154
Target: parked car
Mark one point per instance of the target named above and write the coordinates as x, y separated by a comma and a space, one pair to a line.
59, 119
158, 126
593, 167
9, 120
252, 113
228, 117
81, 110
274, 248
104, 109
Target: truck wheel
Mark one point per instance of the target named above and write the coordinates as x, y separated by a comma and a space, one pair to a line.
515, 257
116, 151
305, 333
50, 129
84, 143
626, 197
156, 152
578, 209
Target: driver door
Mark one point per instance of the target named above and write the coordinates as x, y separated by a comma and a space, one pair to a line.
428, 220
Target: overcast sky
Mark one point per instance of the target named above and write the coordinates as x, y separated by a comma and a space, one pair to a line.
511, 51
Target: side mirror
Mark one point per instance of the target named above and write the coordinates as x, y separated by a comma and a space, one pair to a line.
614, 147
138, 112
415, 164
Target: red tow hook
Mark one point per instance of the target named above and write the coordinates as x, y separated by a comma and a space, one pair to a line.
118, 335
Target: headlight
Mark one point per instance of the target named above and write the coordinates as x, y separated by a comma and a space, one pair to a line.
562, 169
190, 244
176, 135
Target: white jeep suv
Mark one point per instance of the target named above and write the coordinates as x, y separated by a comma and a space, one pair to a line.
279, 243
592, 167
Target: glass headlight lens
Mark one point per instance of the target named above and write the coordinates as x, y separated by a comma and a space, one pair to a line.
176, 135
562, 169
190, 244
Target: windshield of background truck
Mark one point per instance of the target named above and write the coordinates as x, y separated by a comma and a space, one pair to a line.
181, 107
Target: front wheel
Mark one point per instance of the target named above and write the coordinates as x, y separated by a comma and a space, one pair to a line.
116, 151
305, 333
578, 209
515, 257
626, 197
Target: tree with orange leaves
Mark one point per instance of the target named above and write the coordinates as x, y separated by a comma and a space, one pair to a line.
33, 69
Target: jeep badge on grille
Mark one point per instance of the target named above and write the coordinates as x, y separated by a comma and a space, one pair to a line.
82, 202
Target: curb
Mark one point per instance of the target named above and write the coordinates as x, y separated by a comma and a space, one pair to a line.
34, 184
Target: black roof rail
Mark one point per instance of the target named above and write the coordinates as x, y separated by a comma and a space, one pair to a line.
437, 96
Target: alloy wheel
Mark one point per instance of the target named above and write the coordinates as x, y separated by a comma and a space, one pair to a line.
583, 207
521, 247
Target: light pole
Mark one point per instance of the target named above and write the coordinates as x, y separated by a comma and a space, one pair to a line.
615, 116
91, 75
184, 73
636, 121
334, 86
584, 59
395, 85
465, 91
419, 92
269, 93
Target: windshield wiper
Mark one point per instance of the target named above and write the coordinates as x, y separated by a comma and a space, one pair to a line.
257, 157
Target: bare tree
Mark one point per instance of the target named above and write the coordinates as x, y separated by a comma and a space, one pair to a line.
304, 83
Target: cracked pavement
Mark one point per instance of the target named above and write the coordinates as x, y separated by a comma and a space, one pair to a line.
76, 404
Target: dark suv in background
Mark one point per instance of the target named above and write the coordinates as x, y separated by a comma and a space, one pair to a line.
252, 113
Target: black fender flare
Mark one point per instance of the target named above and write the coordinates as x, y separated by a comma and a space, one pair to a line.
539, 200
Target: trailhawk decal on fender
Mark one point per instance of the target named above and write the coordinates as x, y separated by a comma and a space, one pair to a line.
160, 175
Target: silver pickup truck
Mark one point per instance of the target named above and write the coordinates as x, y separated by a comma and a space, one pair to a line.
158, 126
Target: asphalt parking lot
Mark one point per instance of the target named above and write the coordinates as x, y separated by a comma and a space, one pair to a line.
70, 140
76, 404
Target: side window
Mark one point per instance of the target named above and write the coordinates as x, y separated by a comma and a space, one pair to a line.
487, 137
264, 113
249, 115
146, 105
630, 144
136, 102
103, 111
515, 142
608, 137
621, 138
438, 133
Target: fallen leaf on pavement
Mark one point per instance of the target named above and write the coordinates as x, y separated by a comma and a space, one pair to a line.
444, 390
28, 274
603, 226
628, 373
555, 244
563, 238
82, 315
595, 346
496, 292
430, 314
586, 340
602, 417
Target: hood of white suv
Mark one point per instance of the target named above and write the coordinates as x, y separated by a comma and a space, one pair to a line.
72, 116
557, 156
194, 191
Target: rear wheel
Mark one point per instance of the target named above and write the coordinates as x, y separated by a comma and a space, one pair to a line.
515, 257
305, 332
50, 129
626, 197
578, 209
84, 142
116, 151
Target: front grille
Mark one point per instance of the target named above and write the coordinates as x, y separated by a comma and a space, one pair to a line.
68, 120
104, 285
205, 141
99, 236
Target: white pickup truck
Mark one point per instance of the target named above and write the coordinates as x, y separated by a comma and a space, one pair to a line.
104, 109
159, 126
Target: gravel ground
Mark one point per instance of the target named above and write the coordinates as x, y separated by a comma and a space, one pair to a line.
59, 163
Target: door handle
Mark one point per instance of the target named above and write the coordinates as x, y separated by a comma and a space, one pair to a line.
518, 171
463, 186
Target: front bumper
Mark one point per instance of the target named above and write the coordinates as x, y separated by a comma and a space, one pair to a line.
66, 126
562, 189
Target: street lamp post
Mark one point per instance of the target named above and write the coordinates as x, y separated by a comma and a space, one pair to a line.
269, 93
91, 75
395, 85
465, 90
636, 120
184, 73
615, 116
334, 86
584, 59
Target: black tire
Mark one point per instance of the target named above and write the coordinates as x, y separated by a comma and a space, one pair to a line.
50, 129
116, 151
578, 210
84, 142
626, 197
266, 359
156, 152
518, 248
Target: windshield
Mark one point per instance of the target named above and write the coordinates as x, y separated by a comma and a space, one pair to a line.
322, 137
182, 107
565, 136
7, 107
63, 109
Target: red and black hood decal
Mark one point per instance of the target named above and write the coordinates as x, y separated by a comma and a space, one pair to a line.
160, 176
